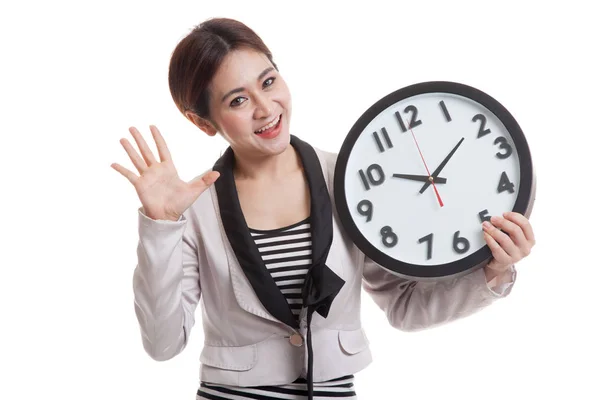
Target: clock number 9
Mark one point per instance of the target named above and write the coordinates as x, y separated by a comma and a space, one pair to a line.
388, 238
460, 244
368, 212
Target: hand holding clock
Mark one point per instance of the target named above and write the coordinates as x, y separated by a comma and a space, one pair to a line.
510, 238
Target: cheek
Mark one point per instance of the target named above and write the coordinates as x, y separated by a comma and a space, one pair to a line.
285, 97
237, 122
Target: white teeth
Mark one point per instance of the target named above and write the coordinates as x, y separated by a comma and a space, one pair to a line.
270, 125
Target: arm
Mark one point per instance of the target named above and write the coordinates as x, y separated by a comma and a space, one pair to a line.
500, 282
166, 285
412, 306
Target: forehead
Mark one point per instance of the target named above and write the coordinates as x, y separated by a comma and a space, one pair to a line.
239, 68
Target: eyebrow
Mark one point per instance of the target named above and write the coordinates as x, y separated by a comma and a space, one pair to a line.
238, 90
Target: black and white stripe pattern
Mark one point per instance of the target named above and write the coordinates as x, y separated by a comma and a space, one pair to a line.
340, 388
287, 255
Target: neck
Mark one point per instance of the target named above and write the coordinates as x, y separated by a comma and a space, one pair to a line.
267, 168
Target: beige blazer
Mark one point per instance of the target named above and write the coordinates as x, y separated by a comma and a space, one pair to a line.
250, 334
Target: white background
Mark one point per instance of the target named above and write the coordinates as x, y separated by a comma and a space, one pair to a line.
75, 75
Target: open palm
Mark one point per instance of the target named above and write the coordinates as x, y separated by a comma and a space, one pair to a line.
162, 193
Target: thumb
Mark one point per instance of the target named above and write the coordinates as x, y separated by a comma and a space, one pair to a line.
202, 183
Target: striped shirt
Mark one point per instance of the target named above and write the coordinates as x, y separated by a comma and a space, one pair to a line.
287, 254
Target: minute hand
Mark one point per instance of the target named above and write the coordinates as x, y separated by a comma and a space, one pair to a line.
441, 166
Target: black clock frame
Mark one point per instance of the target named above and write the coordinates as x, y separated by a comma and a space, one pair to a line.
481, 257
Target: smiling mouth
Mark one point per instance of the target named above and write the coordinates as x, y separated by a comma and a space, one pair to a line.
269, 126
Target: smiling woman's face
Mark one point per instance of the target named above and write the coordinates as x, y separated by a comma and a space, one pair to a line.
250, 104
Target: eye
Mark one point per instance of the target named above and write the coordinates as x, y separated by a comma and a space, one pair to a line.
237, 101
268, 82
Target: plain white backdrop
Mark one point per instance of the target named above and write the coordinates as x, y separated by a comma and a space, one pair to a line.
75, 75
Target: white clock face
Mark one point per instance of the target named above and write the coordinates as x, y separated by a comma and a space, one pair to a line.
480, 179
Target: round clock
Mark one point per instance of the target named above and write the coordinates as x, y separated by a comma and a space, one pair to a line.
421, 170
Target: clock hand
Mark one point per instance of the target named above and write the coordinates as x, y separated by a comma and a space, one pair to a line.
441, 166
424, 163
420, 178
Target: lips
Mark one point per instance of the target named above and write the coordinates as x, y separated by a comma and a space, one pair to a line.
269, 126
273, 129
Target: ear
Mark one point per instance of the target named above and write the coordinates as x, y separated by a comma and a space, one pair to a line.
205, 125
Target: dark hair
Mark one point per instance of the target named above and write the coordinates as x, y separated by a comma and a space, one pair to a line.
197, 57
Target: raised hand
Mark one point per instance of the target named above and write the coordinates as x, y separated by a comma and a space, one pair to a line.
162, 193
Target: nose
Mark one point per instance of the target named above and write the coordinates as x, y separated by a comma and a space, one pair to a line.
263, 106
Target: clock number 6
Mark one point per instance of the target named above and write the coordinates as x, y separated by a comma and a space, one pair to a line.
388, 238
368, 212
460, 244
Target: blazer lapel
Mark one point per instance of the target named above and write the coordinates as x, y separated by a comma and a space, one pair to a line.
321, 284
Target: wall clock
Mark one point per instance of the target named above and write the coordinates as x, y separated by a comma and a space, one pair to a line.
420, 171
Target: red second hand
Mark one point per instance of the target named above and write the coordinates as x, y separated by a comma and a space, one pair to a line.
424, 163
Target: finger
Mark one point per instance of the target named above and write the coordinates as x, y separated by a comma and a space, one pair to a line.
503, 240
163, 151
125, 172
523, 222
514, 230
203, 182
144, 149
137, 161
497, 251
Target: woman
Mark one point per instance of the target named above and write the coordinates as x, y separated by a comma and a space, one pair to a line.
259, 238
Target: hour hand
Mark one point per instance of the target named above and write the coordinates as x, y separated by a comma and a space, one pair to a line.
421, 178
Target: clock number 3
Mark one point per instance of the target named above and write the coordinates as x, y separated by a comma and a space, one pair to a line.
501, 140
388, 237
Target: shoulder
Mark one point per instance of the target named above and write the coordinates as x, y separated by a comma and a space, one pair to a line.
327, 158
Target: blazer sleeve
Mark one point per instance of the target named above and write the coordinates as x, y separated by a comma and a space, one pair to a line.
412, 306
166, 285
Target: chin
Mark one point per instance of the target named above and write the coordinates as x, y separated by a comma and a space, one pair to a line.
280, 143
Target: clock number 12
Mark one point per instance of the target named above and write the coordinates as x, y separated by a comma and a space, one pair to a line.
413, 121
